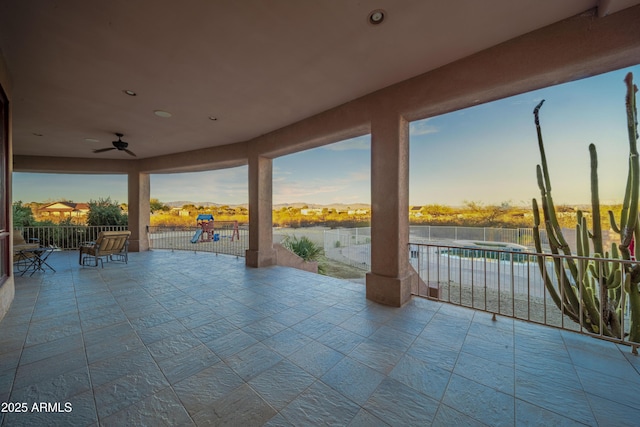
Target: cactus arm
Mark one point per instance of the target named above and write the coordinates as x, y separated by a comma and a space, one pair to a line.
588, 299
632, 112
615, 279
582, 235
569, 309
598, 248
595, 202
612, 221
543, 156
624, 214
563, 245
630, 205
555, 243
540, 259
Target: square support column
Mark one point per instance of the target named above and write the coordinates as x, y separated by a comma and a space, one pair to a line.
389, 281
260, 252
139, 186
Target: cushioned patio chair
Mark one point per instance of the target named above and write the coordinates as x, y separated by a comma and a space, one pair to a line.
23, 255
110, 245
19, 244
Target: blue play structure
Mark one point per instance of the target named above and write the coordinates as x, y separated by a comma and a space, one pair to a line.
196, 236
205, 233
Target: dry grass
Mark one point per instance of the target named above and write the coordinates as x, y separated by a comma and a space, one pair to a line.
340, 270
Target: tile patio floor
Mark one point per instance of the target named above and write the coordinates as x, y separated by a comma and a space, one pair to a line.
198, 339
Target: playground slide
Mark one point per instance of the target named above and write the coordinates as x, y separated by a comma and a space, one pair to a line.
196, 236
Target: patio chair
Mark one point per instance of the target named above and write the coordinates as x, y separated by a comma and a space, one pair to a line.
110, 245
23, 255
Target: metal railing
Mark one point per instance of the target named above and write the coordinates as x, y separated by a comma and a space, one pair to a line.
65, 237
226, 238
427, 233
507, 283
351, 246
519, 236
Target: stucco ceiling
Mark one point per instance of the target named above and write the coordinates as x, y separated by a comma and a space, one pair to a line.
254, 65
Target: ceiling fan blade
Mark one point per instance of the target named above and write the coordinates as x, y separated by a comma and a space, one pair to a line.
102, 150
130, 152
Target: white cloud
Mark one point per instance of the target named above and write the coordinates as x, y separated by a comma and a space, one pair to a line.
360, 176
280, 172
302, 192
422, 127
359, 143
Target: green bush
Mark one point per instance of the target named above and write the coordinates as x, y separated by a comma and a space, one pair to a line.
303, 247
105, 212
22, 215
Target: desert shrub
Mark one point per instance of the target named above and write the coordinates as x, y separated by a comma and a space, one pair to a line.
303, 247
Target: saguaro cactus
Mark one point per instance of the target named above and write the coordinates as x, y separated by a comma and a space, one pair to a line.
598, 286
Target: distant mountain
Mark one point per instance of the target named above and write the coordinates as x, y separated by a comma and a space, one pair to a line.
181, 203
319, 206
298, 205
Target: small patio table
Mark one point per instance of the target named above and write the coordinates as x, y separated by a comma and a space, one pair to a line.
35, 258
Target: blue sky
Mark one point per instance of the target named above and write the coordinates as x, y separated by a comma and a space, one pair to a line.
486, 153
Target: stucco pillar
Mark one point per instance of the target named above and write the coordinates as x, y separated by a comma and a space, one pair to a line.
260, 252
139, 212
389, 281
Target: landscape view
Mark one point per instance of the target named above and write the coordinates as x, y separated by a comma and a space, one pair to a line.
470, 168
480, 205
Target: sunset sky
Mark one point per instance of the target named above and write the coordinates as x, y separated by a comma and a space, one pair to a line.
486, 153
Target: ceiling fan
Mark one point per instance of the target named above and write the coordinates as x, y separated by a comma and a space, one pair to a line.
117, 145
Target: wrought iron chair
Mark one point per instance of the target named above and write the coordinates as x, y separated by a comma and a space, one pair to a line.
24, 256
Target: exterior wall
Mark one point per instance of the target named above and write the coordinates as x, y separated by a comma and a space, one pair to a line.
286, 258
7, 289
72, 165
226, 156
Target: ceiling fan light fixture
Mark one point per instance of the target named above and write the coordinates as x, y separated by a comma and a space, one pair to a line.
119, 145
163, 114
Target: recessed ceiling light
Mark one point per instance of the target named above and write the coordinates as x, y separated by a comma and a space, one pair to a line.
160, 113
376, 16
91, 140
129, 92
213, 118
37, 134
